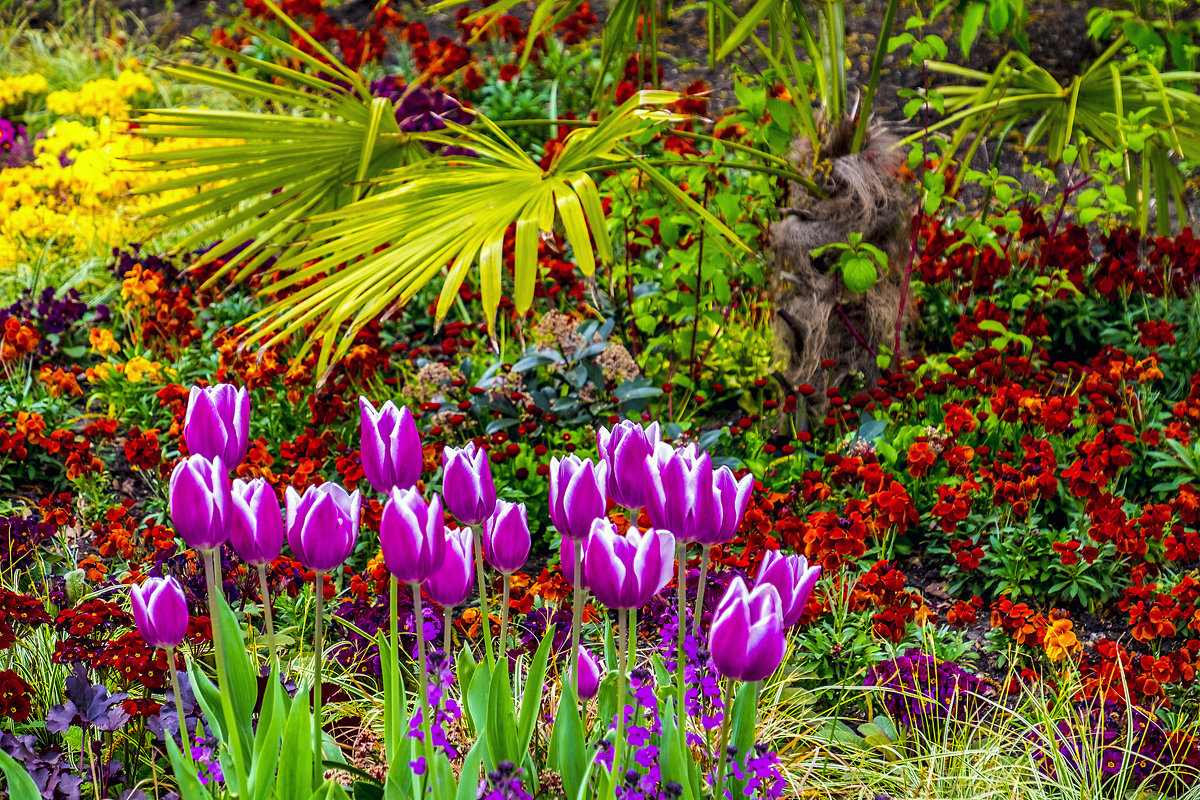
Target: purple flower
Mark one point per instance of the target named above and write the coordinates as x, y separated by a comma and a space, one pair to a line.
588, 683
467, 483
200, 502
391, 446
747, 640
160, 611
733, 496
412, 534
625, 449
793, 578
256, 523
450, 583
322, 525
506, 537
681, 495
217, 423
626, 571
577, 495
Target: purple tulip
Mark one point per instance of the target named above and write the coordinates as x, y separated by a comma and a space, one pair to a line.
217, 423
451, 582
793, 578
577, 495
746, 640
467, 483
200, 502
587, 685
322, 525
412, 534
567, 561
682, 497
733, 496
506, 537
256, 524
627, 571
160, 611
625, 449
390, 446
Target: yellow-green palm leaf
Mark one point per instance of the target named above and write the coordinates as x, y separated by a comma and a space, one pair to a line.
451, 213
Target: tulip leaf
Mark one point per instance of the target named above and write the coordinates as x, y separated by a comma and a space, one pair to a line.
266, 739
501, 734
745, 713
330, 790
468, 782
477, 699
239, 698
606, 704
20, 785
189, 785
673, 753
531, 698
296, 756
567, 753
395, 705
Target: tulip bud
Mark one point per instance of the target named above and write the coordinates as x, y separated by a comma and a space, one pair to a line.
793, 578
256, 524
681, 496
322, 525
625, 449
577, 496
506, 539
160, 612
200, 501
467, 484
217, 423
451, 582
627, 571
390, 446
567, 561
746, 639
732, 496
412, 534
587, 685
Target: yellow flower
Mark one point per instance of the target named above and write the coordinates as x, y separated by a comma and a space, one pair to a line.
14, 90
102, 341
1061, 640
139, 287
138, 367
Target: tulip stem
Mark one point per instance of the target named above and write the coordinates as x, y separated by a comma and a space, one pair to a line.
631, 661
621, 648
212, 571
390, 736
318, 648
423, 680
447, 621
726, 723
577, 611
183, 731
704, 551
485, 618
502, 648
267, 612
680, 658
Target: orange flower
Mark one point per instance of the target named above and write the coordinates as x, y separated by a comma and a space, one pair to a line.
1061, 640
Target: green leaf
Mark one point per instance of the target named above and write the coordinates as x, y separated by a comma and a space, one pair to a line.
972, 19
567, 754
468, 782
501, 733
674, 756
745, 719
267, 739
531, 698
20, 785
295, 778
859, 274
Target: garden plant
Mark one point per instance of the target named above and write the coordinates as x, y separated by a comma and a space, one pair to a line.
566, 400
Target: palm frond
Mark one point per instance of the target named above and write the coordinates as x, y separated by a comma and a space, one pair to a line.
264, 175
449, 213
